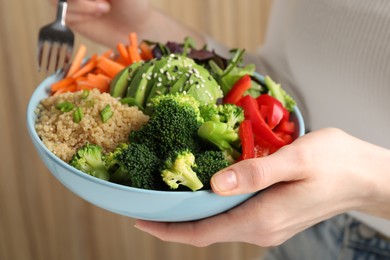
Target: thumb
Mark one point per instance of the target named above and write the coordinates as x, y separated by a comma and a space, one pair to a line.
252, 175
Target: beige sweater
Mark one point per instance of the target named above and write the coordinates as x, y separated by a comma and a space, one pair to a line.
334, 56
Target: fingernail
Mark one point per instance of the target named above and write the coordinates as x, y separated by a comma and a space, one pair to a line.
225, 181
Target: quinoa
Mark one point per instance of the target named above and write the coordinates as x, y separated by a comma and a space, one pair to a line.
63, 136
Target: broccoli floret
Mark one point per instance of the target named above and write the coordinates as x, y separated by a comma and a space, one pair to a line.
184, 101
90, 159
230, 114
115, 166
280, 94
142, 165
222, 136
221, 127
178, 171
207, 163
172, 126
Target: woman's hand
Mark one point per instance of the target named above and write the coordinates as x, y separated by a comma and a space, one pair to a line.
110, 21
318, 176
106, 21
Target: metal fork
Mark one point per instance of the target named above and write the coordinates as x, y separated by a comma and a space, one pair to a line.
58, 38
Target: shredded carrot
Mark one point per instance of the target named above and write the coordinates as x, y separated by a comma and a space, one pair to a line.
120, 60
77, 60
99, 70
84, 86
98, 81
134, 54
103, 82
63, 83
71, 87
133, 48
88, 67
133, 39
108, 53
110, 67
146, 51
123, 53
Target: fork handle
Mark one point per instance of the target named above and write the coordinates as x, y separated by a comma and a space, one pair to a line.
62, 6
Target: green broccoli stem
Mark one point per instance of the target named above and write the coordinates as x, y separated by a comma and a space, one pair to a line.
100, 172
279, 93
218, 133
119, 175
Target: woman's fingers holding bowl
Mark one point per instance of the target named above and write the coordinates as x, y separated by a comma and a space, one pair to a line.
199, 233
252, 175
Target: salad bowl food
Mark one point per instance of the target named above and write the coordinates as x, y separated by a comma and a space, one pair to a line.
156, 205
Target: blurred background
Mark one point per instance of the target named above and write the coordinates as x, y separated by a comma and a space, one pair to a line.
39, 218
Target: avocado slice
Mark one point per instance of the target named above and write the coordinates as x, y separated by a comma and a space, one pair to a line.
138, 87
178, 86
119, 84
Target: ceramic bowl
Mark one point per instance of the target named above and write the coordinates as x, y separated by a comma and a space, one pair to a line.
170, 206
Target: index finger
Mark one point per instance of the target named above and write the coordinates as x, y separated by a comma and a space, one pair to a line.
199, 233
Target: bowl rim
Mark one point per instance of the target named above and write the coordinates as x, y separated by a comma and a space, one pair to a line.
31, 116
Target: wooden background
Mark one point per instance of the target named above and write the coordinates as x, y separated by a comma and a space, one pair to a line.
39, 218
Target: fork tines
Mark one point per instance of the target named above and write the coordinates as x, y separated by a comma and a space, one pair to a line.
55, 42
53, 56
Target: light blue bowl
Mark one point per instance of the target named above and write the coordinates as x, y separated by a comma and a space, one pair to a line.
132, 202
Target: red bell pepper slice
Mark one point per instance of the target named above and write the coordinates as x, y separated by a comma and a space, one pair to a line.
262, 148
238, 90
285, 126
275, 110
260, 127
247, 140
286, 137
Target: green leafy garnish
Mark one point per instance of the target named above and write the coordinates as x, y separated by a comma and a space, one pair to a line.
106, 113
65, 106
85, 94
78, 115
